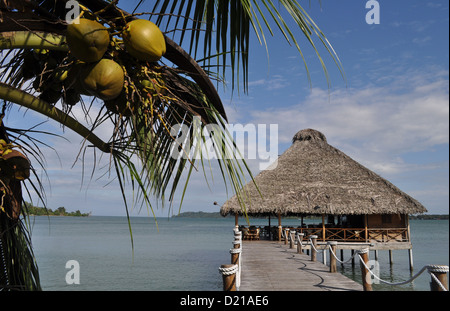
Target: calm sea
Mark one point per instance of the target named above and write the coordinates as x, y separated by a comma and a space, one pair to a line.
185, 253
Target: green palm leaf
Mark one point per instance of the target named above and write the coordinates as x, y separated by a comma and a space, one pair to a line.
223, 28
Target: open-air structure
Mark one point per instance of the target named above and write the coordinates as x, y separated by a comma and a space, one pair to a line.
314, 178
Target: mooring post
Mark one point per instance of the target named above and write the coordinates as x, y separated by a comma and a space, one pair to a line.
333, 247
235, 252
353, 257
229, 277
286, 236
438, 273
391, 257
237, 239
313, 247
365, 274
292, 235
299, 243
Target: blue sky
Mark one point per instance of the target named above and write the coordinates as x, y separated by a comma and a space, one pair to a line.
391, 113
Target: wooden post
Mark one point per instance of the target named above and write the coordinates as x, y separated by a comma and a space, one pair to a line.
292, 237
235, 252
236, 221
313, 246
229, 277
411, 264
353, 258
323, 227
279, 227
440, 272
407, 226
333, 267
237, 243
365, 274
299, 244
366, 232
391, 257
342, 256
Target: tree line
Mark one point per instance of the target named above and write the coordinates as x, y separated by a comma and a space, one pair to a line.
32, 210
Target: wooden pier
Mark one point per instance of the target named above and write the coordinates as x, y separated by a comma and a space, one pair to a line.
273, 266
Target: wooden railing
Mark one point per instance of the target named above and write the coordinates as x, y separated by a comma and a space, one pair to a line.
353, 234
388, 234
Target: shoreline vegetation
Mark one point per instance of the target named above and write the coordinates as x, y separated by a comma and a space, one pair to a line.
32, 210
217, 215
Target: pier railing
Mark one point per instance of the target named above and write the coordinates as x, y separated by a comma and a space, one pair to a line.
231, 273
438, 273
346, 234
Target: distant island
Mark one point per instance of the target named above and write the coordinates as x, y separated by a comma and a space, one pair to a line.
32, 210
198, 215
429, 217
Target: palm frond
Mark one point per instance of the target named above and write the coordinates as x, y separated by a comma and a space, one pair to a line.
223, 27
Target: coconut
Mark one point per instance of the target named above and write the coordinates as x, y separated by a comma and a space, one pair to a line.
88, 40
103, 79
144, 40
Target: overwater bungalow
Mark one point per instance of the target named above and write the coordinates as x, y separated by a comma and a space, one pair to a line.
355, 205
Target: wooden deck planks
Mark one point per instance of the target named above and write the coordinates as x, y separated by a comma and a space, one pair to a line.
273, 266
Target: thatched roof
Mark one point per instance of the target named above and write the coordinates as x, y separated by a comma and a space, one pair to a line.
313, 177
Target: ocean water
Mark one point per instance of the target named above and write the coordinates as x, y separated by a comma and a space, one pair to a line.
184, 254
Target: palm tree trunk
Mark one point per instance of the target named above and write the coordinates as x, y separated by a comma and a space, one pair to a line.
18, 269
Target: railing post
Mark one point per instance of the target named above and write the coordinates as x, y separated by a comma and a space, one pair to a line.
237, 239
365, 274
286, 236
235, 255
440, 274
333, 247
299, 243
292, 242
279, 232
229, 277
313, 247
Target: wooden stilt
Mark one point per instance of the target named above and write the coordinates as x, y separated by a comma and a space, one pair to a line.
411, 264
391, 257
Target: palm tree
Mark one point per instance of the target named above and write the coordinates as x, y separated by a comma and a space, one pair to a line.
39, 70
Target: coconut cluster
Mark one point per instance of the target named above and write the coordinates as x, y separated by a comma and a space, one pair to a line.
96, 72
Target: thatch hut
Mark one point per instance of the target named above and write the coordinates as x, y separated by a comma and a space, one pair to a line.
314, 178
